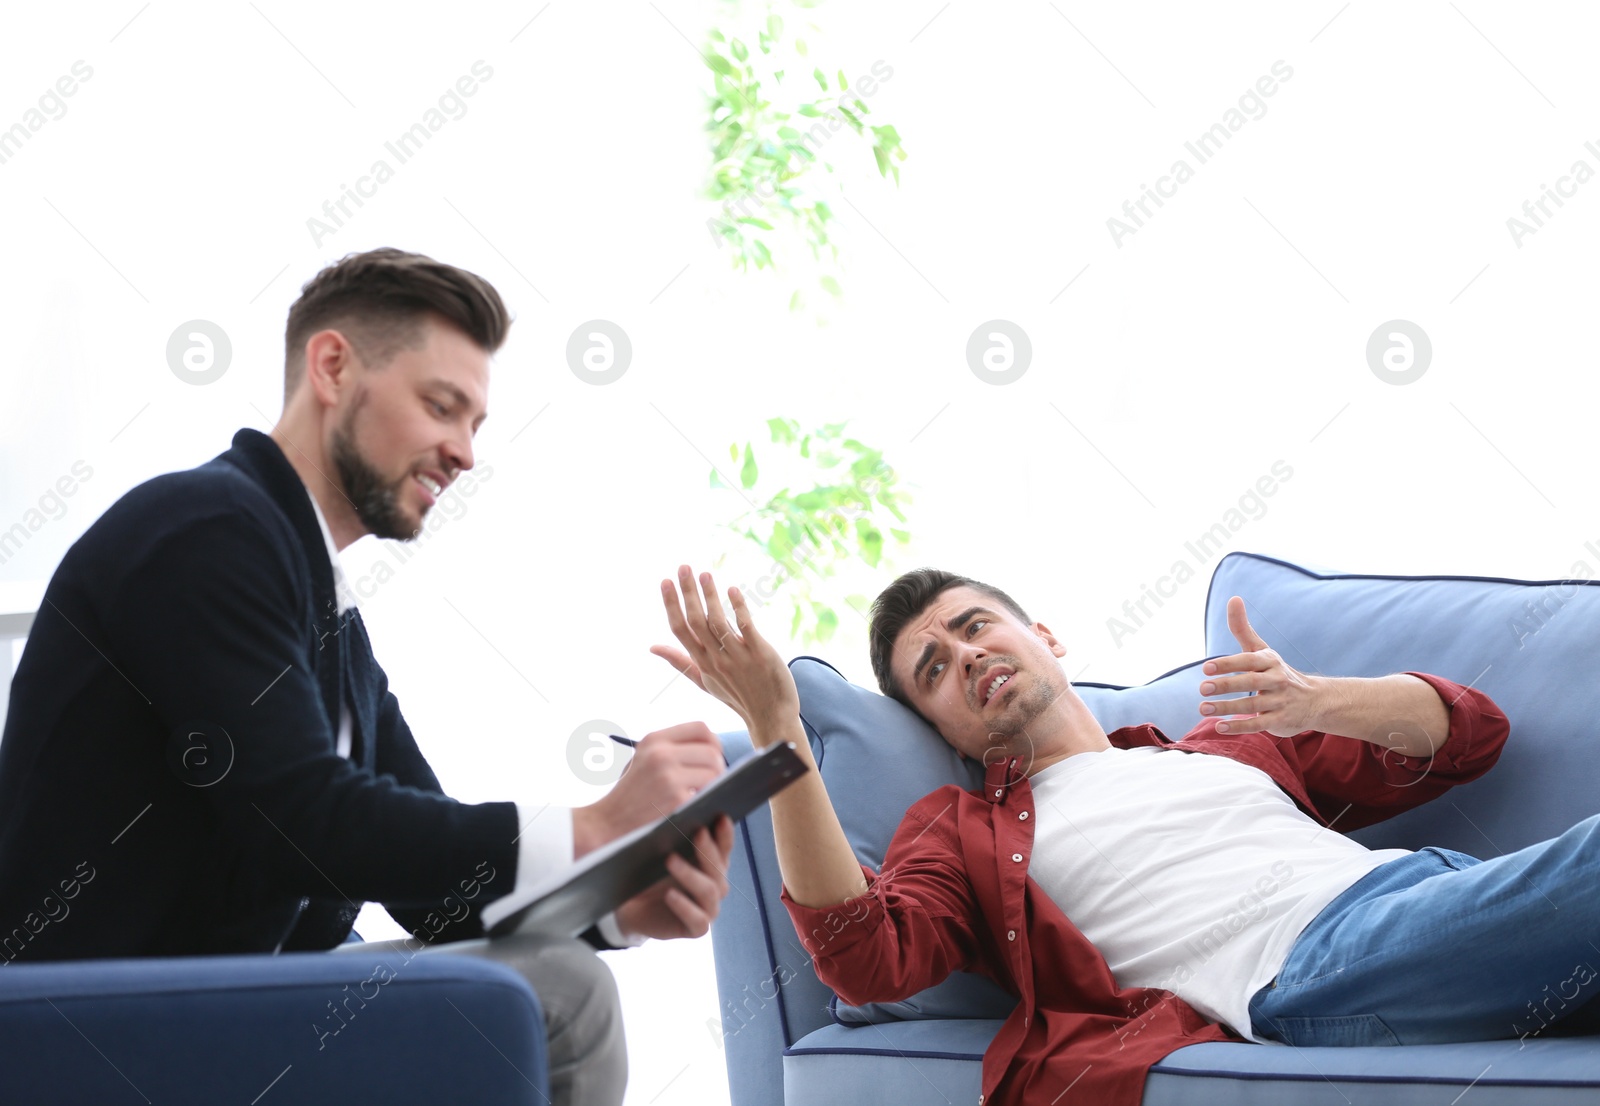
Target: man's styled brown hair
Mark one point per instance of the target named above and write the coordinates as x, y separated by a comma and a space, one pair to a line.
902, 601
380, 301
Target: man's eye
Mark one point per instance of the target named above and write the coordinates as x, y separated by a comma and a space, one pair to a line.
974, 624
438, 408
933, 671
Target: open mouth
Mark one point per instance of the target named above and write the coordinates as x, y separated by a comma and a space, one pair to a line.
429, 487
997, 687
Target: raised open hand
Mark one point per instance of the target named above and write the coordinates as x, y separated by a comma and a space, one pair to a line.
732, 662
1285, 702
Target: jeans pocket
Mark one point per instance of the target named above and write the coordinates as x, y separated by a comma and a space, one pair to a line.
1348, 1031
1459, 861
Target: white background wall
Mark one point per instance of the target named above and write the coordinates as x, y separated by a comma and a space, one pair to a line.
1170, 369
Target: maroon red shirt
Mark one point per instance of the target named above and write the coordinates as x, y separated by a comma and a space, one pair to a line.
954, 895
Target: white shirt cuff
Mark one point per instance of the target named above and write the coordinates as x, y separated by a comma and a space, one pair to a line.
612, 932
544, 843
544, 848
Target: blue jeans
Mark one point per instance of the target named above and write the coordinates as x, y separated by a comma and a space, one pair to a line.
1440, 946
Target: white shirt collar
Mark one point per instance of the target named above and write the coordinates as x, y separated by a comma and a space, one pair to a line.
341, 587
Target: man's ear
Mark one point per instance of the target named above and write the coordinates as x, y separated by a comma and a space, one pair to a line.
328, 365
1049, 639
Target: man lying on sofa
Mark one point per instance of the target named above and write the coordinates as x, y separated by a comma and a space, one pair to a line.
1138, 902
202, 753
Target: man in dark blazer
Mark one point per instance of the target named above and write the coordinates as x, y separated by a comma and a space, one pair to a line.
202, 754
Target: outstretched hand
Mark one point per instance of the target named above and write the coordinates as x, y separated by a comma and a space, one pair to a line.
1286, 702
732, 662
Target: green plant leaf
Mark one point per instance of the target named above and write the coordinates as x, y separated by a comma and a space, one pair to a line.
783, 430
810, 111
842, 82
827, 623
831, 286
716, 481
900, 535
747, 474
739, 50
775, 26
720, 64
871, 542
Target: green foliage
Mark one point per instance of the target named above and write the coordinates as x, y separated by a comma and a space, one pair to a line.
764, 165
807, 535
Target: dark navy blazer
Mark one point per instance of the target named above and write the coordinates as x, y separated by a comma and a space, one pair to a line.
168, 778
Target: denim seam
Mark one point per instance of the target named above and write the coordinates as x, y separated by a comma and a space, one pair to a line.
1388, 951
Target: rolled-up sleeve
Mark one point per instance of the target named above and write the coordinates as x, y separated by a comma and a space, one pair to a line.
1360, 783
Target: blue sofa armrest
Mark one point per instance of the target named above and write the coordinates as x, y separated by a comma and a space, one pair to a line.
298, 1027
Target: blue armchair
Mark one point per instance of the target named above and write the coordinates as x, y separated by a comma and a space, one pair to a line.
1532, 646
297, 1028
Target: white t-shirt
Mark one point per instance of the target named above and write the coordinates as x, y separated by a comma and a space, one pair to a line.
1191, 872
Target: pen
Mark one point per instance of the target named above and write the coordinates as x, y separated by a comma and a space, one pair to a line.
628, 741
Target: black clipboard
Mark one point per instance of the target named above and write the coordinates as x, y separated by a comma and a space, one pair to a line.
574, 899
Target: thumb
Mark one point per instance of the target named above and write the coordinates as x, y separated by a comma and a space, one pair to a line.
681, 661
1240, 627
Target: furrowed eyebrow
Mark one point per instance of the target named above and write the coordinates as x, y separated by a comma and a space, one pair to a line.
953, 625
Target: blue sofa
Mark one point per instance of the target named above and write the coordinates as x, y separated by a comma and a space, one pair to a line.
301, 1028
1532, 646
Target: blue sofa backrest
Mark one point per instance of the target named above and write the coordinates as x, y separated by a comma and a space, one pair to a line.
1533, 647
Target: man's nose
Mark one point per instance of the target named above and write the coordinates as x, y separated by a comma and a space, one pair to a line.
971, 655
458, 455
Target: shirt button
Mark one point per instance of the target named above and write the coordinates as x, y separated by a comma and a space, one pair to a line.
1011, 935
1023, 817
997, 793
1017, 857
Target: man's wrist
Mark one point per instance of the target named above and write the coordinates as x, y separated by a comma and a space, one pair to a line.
1328, 696
590, 829
771, 728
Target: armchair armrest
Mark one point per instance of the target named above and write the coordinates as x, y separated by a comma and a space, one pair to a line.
294, 1028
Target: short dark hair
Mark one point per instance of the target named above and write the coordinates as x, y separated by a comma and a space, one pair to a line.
908, 597
381, 299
